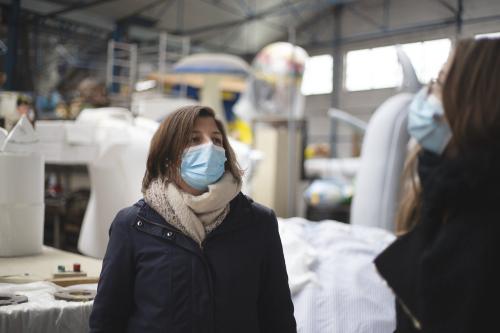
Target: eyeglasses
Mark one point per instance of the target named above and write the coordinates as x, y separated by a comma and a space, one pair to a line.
434, 85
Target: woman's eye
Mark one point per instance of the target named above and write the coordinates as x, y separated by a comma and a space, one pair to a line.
195, 139
217, 141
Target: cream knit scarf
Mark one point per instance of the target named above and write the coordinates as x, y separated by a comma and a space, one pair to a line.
195, 216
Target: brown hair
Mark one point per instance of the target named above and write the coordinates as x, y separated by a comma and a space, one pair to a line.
173, 136
409, 206
472, 107
471, 94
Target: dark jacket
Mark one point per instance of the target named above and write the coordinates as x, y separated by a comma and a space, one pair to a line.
445, 272
156, 279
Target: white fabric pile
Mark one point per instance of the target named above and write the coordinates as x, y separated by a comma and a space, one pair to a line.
299, 255
43, 313
334, 283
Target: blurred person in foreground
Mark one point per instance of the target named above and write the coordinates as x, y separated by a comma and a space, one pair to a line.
444, 267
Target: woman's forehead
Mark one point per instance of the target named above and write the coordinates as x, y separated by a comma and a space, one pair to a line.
205, 124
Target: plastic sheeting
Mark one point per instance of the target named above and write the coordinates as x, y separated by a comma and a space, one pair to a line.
21, 192
3, 135
43, 313
22, 138
115, 176
382, 160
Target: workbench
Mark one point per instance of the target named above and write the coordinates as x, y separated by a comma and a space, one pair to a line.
31, 276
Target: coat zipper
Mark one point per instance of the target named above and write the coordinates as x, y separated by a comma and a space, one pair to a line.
210, 284
416, 323
414, 320
207, 269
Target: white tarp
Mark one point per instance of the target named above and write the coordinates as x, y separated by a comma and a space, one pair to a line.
43, 313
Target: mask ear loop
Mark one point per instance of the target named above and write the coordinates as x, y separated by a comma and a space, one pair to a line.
433, 83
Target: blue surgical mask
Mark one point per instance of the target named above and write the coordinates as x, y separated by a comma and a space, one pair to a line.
202, 165
427, 123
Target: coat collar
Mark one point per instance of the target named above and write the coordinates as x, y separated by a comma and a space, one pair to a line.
468, 182
240, 215
398, 265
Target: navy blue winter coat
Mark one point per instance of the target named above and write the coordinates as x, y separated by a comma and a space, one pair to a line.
156, 279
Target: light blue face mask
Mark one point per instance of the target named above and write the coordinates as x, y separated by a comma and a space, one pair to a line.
427, 123
203, 165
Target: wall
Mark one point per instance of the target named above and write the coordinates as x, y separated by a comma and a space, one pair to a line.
360, 28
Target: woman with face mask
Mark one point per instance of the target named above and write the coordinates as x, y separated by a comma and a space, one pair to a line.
444, 267
195, 255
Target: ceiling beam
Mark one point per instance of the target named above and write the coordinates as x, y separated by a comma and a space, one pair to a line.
80, 5
310, 25
35, 20
256, 16
142, 9
365, 17
448, 6
245, 7
237, 12
294, 10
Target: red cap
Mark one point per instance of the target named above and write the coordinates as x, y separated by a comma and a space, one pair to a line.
76, 267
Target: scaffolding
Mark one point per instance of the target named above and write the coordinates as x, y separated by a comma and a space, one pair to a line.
171, 48
124, 59
121, 73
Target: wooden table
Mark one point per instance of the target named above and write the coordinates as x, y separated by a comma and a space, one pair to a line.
43, 313
41, 267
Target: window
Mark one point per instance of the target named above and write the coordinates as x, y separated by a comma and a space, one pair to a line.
488, 35
428, 57
379, 67
318, 75
372, 69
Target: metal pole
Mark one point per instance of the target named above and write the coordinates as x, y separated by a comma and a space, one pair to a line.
162, 53
109, 65
459, 18
162, 60
292, 134
12, 37
132, 73
387, 8
118, 36
186, 48
338, 61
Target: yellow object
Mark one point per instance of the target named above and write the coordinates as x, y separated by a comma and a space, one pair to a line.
315, 199
317, 150
228, 83
241, 131
309, 152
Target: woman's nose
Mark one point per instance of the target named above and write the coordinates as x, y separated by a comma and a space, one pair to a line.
206, 139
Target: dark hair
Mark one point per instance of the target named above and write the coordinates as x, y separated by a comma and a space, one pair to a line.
173, 136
